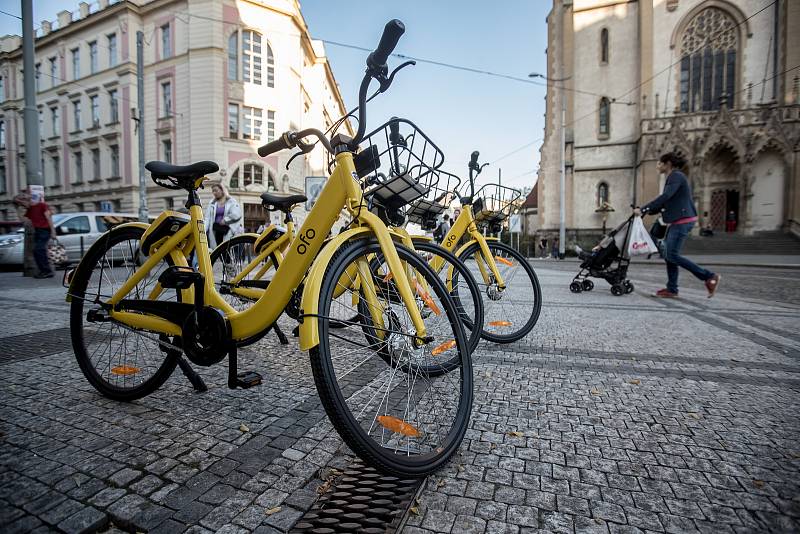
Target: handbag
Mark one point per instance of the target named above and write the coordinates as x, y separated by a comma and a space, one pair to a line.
56, 252
658, 230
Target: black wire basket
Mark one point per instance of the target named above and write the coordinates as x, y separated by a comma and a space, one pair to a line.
493, 204
398, 164
426, 210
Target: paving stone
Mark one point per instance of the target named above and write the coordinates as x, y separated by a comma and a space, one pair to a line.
87, 519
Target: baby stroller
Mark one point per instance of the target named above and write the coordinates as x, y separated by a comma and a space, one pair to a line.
608, 260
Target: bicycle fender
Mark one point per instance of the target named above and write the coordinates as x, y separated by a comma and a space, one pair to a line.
99, 242
309, 304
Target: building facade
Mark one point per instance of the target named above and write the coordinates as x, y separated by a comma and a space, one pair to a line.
715, 80
220, 79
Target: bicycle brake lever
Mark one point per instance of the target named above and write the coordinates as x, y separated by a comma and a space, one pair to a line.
292, 158
386, 81
304, 147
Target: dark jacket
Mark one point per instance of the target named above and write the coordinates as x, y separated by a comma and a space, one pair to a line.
676, 200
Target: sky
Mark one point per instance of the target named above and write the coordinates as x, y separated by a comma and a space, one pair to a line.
460, 111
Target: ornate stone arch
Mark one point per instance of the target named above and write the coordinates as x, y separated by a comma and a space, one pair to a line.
724, 131
742, 22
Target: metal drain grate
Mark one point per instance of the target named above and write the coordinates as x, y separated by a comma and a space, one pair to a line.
34, 345
360, 500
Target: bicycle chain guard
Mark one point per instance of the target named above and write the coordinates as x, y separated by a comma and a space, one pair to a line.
205, 337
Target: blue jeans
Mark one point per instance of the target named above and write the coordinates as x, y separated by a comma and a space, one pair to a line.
676, 236
41, 236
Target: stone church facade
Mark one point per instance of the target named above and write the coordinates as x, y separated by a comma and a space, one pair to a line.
717, 81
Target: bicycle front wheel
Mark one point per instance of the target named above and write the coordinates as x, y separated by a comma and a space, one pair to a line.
380, 394
509, 312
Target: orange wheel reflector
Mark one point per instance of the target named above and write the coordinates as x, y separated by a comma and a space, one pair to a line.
389, 422
388, 277
426, 298
503, 260
447, 345
124, 370
500, 323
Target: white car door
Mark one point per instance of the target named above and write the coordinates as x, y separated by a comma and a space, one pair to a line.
74, 233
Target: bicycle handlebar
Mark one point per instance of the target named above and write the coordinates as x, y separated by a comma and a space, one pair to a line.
392, 32
292, 139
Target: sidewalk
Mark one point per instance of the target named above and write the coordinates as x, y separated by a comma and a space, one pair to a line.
782, 261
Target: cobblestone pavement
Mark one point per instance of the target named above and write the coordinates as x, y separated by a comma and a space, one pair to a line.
616, 414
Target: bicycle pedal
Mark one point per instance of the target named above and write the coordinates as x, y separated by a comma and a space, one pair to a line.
178, 277
248, 379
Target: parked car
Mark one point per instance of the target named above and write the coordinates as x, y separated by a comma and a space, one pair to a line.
76, 231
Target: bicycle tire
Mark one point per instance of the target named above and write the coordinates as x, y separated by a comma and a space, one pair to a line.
79, 286
336, 404
489, 307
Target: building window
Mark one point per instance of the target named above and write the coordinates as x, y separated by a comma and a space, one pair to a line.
76, 114
112, 49
2, 89
604, 117
270, 67
53, 71
251, 57
94, 102
270, 126
56, 170
76, 63
114, 105
166, 99
41, 125
77, 159
3, 188
166, 41
233, 56
253, 174
114, 150
234, 183
2, 134
95, 164
166, 150
233, 121
93, 57
251, 127
602, 194
708, 60
38, 75
55, 122
604, 45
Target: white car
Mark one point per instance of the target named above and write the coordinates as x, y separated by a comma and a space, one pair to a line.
76, 231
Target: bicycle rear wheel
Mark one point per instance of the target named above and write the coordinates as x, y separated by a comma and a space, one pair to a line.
229, 259
388, 408
510, 313
121, 363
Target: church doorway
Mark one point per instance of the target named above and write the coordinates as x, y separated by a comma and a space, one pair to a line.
723, 201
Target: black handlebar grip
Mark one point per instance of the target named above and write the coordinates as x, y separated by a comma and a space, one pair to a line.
394, 131
473, 159
284, 142
391, 34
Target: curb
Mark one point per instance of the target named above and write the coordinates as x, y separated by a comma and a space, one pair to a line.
794, 266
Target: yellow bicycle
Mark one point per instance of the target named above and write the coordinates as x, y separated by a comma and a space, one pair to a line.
136, 305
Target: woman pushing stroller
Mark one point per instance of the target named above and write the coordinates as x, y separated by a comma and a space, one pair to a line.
678, 211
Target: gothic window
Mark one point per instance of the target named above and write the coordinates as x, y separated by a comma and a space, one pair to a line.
602, 194
708, 60
604, 117
604, 45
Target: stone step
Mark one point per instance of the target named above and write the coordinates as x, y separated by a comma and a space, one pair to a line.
733, 243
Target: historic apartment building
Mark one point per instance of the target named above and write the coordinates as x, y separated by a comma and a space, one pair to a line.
716, 80
220, 79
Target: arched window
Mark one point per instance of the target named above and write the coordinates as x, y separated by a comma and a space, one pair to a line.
604, 117
234, 183
270, 67
252, 174
233, 56
251, 57
604, 45
708, 60
602, 194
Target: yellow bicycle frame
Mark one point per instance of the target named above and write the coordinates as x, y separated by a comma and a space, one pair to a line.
306, 250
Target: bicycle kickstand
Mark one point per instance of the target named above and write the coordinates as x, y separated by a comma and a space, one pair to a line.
191, 374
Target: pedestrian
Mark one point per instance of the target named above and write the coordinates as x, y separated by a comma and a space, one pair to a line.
730, 222
679, 213
443, 228
41, 218
223, 216
543, 247
555, 251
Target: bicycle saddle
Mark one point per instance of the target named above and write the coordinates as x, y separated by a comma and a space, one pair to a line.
160, 169
281, 201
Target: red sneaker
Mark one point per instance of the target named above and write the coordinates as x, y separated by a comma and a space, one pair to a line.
712, 284
665, 294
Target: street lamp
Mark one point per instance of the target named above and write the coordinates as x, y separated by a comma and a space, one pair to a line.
562, 230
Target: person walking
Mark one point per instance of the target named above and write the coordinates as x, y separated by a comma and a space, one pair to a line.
680, 214
555, 247
41, 218
443, 228
223, 216
730, 222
